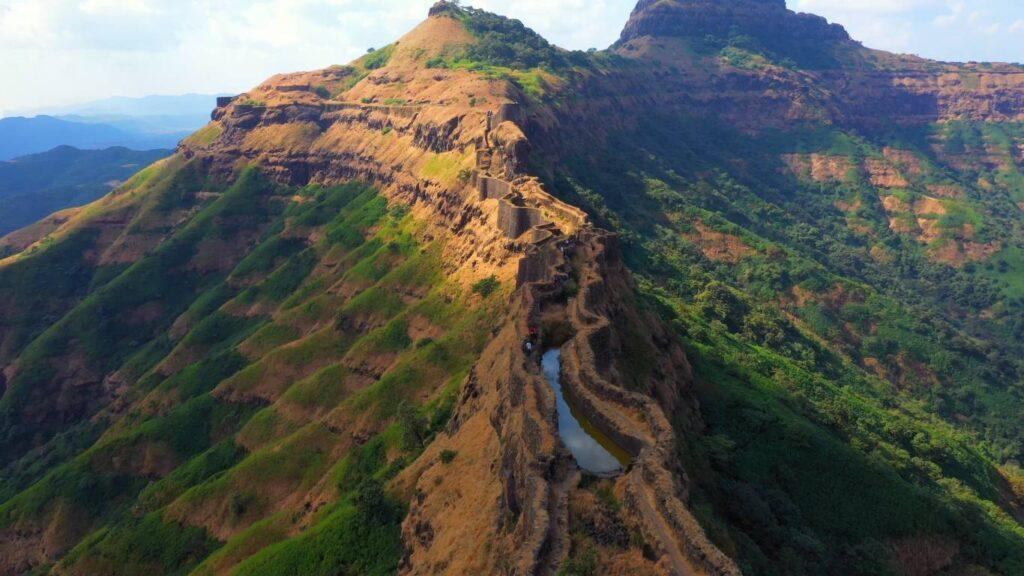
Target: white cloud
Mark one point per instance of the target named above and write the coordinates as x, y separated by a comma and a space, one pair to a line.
956, 12
115, 6
59, 51
864, 6
23, 23
941, 29
576, 24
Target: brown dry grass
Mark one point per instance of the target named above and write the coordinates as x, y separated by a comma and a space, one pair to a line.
905, 160
719, 246
884, 175
818, 167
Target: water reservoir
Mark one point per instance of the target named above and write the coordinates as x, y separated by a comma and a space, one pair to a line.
594, 451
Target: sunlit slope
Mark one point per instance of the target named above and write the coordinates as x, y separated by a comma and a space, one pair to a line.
317, 355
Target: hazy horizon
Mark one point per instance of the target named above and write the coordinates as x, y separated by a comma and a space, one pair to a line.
66, 52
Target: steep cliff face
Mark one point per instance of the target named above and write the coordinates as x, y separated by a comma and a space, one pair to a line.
625, 372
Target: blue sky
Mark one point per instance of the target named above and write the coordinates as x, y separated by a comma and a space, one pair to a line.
65, 51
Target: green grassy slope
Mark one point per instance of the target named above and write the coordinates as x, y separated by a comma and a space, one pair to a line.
300, 346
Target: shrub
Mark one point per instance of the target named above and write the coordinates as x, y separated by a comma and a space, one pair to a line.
720, 302
448, 456
413, 425
376, 59
583, 563
487, 286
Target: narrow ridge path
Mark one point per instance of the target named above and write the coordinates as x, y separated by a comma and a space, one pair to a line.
678, 563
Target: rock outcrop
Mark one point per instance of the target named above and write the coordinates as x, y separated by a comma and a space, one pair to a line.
812, 71
767, 22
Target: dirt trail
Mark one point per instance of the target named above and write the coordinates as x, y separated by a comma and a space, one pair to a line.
678, 564
559, 543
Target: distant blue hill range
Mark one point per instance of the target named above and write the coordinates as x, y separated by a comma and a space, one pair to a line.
34, 186
151, 122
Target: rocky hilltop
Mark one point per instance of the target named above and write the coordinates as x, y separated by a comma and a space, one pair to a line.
779, 267
783, 58
766, 22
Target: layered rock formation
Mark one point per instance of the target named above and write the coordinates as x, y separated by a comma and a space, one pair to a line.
811, 70
512, 514
508, 410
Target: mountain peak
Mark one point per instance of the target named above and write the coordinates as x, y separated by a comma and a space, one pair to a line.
765, 24
443, 7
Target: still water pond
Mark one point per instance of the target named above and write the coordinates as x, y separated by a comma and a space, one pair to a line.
594, 451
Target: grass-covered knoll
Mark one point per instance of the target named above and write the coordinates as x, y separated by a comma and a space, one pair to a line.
360, 533
378, 58
505, 48
359, 538
421, 345
48, 284
206, 135
507, 43
140, 547
107, 476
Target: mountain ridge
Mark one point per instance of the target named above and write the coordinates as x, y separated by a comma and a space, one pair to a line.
41, 184
24, 136
313, 318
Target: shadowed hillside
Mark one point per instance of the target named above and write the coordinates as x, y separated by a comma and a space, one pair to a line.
33, 187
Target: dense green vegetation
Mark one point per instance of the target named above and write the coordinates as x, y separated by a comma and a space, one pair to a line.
508, 43
104, 332
859, 408
378, 58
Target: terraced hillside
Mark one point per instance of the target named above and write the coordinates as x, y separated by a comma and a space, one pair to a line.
297, 346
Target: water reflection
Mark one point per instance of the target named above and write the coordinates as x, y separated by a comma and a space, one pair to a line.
594, 452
